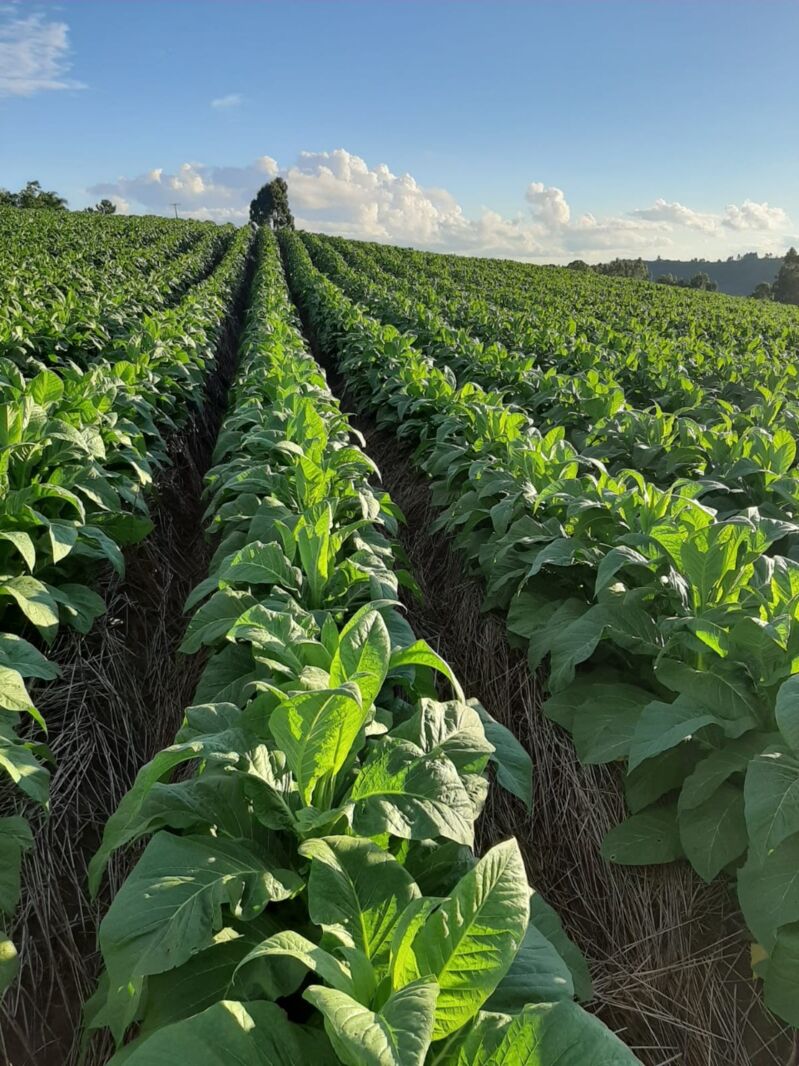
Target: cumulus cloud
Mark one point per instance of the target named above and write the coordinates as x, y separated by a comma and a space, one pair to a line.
754, 216
34, 56
224, 103
339, 192
548, 203
676, 213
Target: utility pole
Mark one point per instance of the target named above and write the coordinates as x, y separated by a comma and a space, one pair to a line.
176, 206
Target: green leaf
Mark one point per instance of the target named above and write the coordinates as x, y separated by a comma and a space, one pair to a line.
227, 676
768, 890
403, 791
312, 956
13, 693
772, 799
362, 656
664, 725
787, 711
170, 905
605, 722
212, 621
546, 1034
467, 944
35, 601
24, 769
46, 388
712, 771
24, 545
713, 833
546, 920
19, 655
249, 1034
452, 729
514, 766
537, 975
224, 746
782, 975
63, 538
15, 838
652, 836
208, 976
421, 654
317, 730
396, 1035
9, 963
259, 564
355, 885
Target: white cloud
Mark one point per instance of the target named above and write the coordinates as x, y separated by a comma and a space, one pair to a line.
549, 203
338, 192
676, 213
224, 103
34, 56
754, 216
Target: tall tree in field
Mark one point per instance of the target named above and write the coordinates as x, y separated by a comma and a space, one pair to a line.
32, 195
786, 287
105, 207
270, 206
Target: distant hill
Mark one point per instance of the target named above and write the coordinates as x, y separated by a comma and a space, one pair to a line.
738, 277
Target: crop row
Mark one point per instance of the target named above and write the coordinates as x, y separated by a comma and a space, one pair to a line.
309, 892
78, 451
671, 636
731, 457
73, 302
562, 311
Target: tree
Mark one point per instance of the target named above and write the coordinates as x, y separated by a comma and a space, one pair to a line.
667, 279
762, 291
105, 207
270, 206
625, 268
32, 195
578, 264
702, 281
786, 286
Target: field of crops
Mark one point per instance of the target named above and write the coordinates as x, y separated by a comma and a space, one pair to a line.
310, 868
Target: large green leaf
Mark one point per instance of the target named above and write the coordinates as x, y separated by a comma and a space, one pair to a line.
15, 838
713, 833
259, 564
452, 729
537, 975
787, 711
317, 730
513, 764
408, 793
225, 747
249, 1034
782, 975
170, 906
362, 656
664, 725
652, 836
468, 943
397, 1035
547, 1034
216, 616
772, 799
768, 890
355, 885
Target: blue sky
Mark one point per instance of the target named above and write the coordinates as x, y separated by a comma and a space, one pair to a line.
539, 129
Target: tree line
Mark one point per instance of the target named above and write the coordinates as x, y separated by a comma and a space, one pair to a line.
785, 288
32, 195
